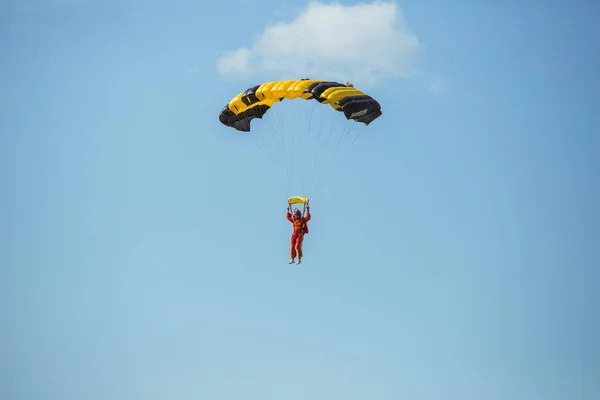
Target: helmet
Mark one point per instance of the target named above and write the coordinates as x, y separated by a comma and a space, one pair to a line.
297, 212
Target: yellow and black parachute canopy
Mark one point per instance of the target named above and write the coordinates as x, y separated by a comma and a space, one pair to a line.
257, 100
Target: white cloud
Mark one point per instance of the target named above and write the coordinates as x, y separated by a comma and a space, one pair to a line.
359, 43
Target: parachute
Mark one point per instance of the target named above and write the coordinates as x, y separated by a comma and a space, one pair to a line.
256, 101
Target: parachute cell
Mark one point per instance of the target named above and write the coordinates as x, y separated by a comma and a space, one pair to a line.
254, 102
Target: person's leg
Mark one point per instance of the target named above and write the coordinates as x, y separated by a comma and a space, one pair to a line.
293, 252
299, 247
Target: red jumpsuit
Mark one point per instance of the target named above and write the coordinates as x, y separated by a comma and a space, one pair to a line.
300, 228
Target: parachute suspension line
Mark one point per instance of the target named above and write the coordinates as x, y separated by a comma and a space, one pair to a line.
309, 119
356, 138
258, 100
319, 167
281, 140
288, 138
262, 146
344, 135
289, 165
297, 142
318, 152
294, 137
276, 155
304, 134
307, 138
272, 149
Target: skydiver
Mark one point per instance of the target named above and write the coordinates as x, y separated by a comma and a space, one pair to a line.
300, 229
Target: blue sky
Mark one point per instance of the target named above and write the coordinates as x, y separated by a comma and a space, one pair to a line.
454, 248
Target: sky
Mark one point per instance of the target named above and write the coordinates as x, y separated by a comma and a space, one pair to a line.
454, 247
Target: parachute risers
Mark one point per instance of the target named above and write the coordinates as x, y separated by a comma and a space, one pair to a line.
298, 200
257, 100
